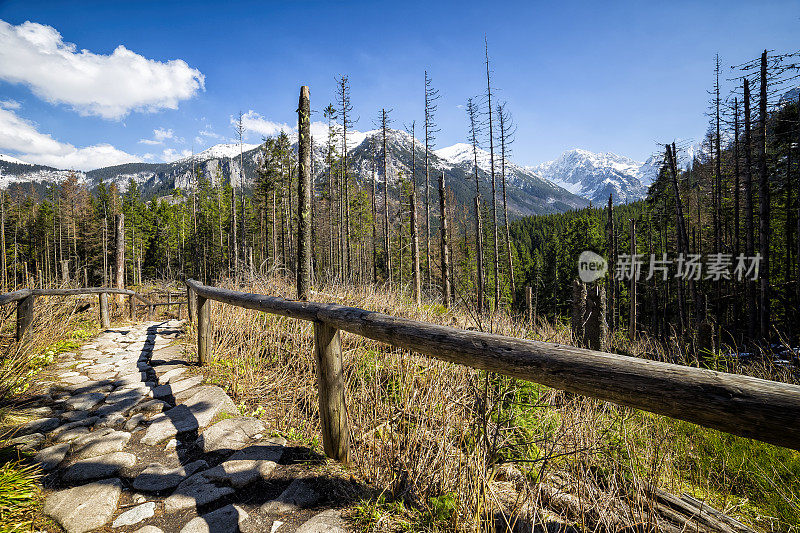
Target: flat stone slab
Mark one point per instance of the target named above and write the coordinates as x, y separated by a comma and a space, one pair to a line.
224, 520
208, 402
84, 508
248, 465
195, 491
85, 401
176, 421
135, 515
28, 442
298, 495
99, 442
99, 467
40, 425
231, 434
157, 477
329, 521
170, 389
151, 407
49, 458
171, 375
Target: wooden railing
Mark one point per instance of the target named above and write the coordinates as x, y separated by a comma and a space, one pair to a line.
750, 407
25, 299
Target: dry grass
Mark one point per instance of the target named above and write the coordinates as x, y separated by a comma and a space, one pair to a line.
452, 448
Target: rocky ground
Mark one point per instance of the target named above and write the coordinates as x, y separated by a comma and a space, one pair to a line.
131, 440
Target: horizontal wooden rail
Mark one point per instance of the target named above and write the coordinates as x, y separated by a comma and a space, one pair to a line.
25, 299
750, 407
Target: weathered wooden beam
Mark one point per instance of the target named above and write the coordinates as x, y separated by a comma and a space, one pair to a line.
742, 405
203, 330
81, 291
331, 387
15, 296
25, 310
105, 322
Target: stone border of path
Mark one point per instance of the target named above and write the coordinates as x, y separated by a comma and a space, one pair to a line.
131, 440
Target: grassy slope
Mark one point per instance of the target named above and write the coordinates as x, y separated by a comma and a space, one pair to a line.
437, 436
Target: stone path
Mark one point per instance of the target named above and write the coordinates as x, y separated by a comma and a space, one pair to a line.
131, 440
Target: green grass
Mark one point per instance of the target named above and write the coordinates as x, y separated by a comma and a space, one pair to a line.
19, 493
767, 477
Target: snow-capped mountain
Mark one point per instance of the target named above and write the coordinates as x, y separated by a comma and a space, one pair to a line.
9, 159
596, 175
221, 151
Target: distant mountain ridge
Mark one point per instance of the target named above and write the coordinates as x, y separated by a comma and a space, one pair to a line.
595, 176
528, 193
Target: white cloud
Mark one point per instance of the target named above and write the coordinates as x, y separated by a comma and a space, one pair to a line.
21, 136
109, 86
255, 123
208, 132
170, 154
159, 136
10, 104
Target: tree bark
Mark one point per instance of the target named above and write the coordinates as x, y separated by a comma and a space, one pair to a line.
764, 199
304, 196
445, 250
752, 303
331, 389
119, 253
415, 273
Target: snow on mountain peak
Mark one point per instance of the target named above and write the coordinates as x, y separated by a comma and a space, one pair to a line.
221, 151
9, 159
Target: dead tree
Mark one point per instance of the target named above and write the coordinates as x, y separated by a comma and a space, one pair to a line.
506, 138
472, 113
415, 273
764, 199
119, 252
345, 108
752, 307
431, 95
304, 196
494, 183
386, 232
445, 251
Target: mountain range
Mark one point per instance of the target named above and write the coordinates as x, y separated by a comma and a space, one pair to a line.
575, 179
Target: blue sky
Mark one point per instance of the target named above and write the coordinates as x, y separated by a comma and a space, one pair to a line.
595, 75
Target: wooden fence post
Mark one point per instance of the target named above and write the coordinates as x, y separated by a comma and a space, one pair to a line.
105, 323
203, 329
191, 303
131, 308
330, 387
24, 315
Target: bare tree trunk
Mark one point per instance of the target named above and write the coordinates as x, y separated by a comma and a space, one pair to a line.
445, 251
612, 285
3, 264
752, 306
374, 222
682, 236
414, 235
737, 248
304, 196
764, 197
386, 233
632, 323
119, 252
494, 184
